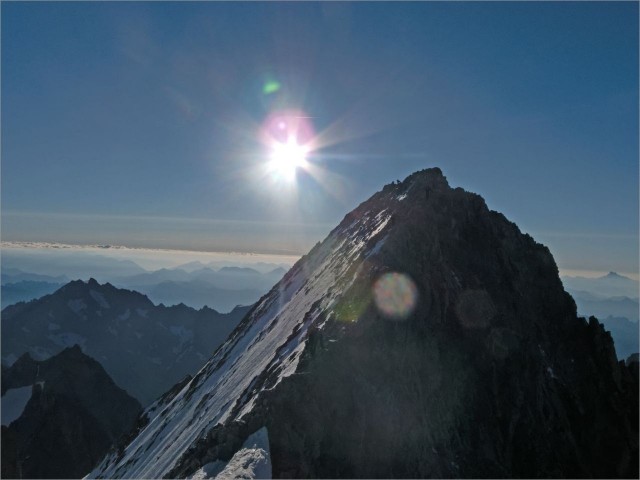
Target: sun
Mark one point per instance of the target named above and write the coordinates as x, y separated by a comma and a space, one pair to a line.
287, 157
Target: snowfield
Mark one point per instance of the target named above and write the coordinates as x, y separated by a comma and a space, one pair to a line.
253, 460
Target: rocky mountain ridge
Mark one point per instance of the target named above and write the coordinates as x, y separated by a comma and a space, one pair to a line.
144, 347
73, 414
426, 336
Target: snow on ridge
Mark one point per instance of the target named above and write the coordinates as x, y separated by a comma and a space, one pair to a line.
184, 336
227, 386
99, 298
77, 305
253, 460
376, 248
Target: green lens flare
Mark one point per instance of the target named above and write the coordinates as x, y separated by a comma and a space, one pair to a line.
270, 87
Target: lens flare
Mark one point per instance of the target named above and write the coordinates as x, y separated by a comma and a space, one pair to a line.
270, 87
289, 137
395, 295
286, 158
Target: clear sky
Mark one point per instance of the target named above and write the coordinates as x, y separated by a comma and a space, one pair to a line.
139, 124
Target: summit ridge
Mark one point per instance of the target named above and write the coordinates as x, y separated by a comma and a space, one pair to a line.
426, 336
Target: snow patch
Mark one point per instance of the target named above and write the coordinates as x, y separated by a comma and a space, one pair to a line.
77, 305
125, 315
210, 470
380, 226
253, 460
53, 326
13, 403
142, 312
402, 197
99, 298
183, 334
376, 248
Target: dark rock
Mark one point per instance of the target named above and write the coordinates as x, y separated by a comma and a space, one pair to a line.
75, 413
492, 376
488, 373
131, 337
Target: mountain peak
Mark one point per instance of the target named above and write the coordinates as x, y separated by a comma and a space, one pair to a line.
422, 319
118, 327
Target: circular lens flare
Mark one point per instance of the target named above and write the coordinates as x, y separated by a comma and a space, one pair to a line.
395, 295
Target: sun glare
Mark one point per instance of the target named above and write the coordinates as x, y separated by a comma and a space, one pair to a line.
287, 157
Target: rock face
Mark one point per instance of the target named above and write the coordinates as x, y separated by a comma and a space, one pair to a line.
144, 347
426, 336
74, 414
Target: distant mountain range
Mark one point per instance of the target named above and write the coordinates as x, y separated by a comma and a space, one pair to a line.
197, 286
221, 289
610, 285
145, 348
590, 304
60, 416
613, 298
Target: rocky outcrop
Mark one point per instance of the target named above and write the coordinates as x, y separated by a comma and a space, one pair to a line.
75, 413
445, 346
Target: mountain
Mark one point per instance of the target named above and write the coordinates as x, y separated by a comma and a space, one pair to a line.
426, 336
223, 289
590, 304
239, 270
155, 277
199, 293
604, 298
72, 263
610, 285
69, 413
262, 267
15, 275
144, 347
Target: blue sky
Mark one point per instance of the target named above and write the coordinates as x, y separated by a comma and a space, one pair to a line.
137, 123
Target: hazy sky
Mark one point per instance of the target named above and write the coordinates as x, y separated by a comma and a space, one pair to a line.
139, 123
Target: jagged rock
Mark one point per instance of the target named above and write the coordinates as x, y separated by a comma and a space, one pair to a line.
75, 413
